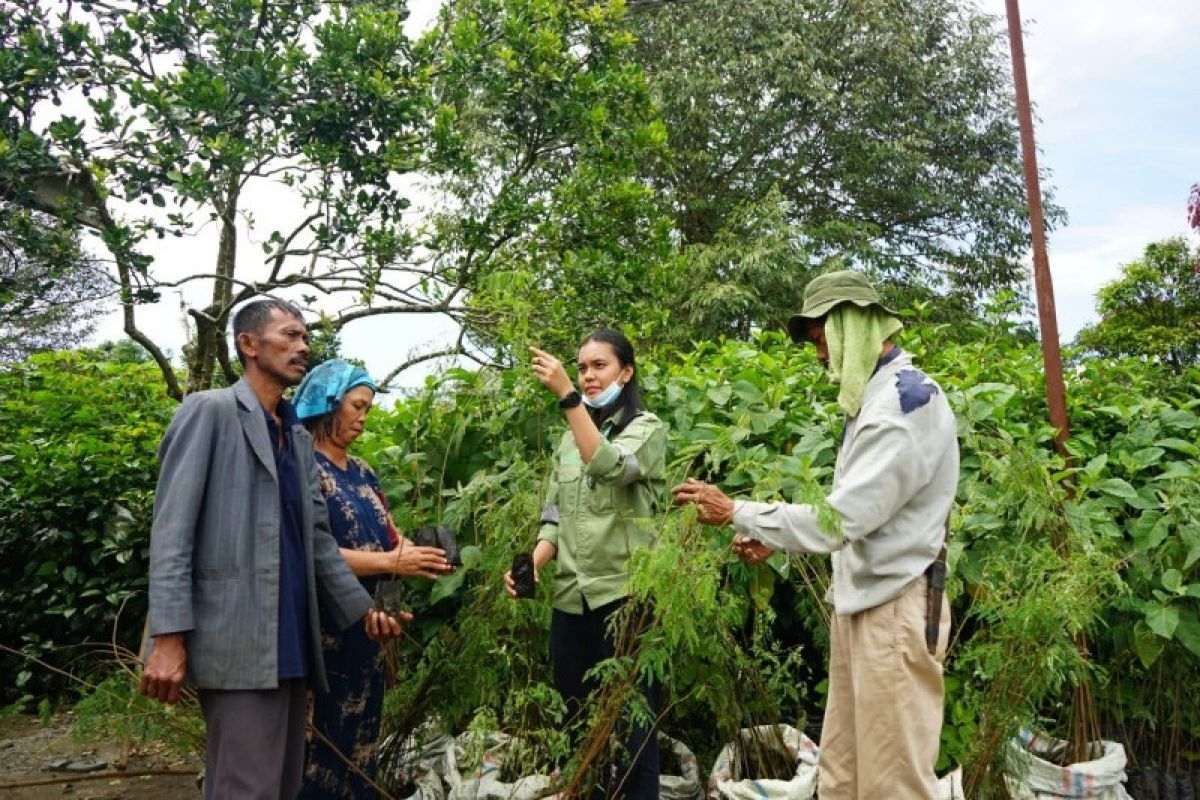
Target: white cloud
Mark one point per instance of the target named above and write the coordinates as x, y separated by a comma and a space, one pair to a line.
1115, 133
1077, 44
1088, 256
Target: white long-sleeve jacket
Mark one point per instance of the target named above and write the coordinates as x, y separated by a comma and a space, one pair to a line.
893, 487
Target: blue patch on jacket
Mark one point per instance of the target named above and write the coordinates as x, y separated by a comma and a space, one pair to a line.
914, 388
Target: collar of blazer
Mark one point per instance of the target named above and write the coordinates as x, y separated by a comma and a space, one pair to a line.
254, 426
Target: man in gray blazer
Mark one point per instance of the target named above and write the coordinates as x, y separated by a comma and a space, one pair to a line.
242, 558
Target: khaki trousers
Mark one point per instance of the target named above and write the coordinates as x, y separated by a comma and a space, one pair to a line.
883, 718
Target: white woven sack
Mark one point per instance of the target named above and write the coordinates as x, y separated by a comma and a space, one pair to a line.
688, 785
483, 782
950, 786
1037, 777
802, 786
423, 765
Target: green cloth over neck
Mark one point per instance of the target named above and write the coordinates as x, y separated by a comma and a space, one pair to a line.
855, 337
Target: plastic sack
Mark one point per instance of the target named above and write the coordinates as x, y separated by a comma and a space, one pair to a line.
419, 768
1037, 776
473, 769
950, 786
687, 784
727, 782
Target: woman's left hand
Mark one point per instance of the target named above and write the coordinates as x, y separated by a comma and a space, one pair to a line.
550, 371
413, 561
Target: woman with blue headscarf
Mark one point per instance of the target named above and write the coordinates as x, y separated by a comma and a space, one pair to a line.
333, 402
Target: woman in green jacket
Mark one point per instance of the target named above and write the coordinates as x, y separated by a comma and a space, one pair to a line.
609, 475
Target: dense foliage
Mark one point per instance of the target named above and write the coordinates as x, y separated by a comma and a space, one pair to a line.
77, 476
880, 133
541, 124
685, 163
295, 126
50, 293
1044, 551
1153, 309
683, 168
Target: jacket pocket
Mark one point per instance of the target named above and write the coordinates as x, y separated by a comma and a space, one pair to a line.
600, 499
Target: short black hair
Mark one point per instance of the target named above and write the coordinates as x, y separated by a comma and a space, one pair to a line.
253, 317
321, 427
630, 399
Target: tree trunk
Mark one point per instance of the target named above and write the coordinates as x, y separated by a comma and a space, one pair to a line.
209, 343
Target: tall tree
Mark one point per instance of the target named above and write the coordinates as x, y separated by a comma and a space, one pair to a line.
526, 116
190, 105
542, 127
876, 132
1152, 310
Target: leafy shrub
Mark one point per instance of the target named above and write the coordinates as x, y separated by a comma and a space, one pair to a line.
1049, 556
77, 476
1046, 554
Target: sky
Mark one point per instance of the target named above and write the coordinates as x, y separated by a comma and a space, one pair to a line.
1116, 86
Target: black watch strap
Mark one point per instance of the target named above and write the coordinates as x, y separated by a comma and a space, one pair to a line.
571, 400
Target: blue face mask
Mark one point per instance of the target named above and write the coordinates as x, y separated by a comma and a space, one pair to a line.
605, 398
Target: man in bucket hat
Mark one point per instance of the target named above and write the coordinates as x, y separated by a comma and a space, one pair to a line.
884, 524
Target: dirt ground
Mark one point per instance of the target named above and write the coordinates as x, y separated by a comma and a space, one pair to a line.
30, 751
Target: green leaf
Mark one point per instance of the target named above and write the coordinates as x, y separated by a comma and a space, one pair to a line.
1179, 418
1147, 645
1173, 580
1188, 632
1179, 445
1163, 620
471, 556
719, 395
747, 392
1149, 530
1117, 488
446, 586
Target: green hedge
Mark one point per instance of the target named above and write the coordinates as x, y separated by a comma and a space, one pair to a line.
78, 436
1045, 551
760, 418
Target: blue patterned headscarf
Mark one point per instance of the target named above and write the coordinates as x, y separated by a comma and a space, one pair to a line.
325, 385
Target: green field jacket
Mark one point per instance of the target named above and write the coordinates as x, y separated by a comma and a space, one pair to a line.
592, 511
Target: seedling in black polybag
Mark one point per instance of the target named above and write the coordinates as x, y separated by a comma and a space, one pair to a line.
439, 536
522, 575
389, 596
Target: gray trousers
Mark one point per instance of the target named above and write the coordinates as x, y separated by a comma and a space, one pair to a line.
255, 742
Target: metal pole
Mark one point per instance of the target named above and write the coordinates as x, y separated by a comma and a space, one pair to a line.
1084, 726
1056, 396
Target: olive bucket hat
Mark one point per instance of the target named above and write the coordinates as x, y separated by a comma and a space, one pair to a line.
829, 291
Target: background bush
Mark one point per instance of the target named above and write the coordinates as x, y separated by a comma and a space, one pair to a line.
77, 476
1045, 551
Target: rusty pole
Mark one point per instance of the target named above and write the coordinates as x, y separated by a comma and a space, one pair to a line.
1084, 726
1056, 396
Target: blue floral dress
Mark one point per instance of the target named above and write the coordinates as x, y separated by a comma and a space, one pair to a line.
348, 716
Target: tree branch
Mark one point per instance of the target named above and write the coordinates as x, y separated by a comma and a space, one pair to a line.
453, 350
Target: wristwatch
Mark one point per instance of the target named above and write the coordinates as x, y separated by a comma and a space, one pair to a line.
573, 399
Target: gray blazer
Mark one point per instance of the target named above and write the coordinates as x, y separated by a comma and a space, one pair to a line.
214, 546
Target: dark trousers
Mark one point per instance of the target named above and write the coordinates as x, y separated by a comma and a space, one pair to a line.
254, 742
577, 643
